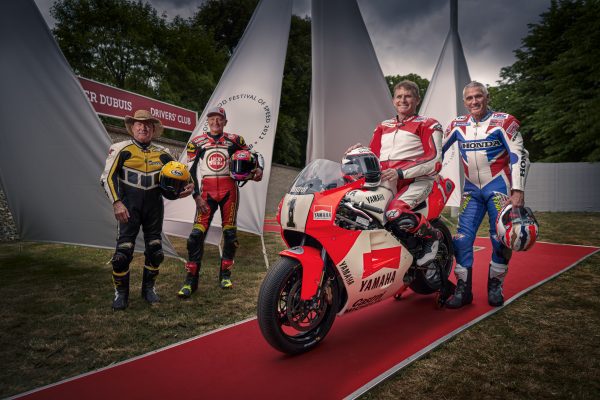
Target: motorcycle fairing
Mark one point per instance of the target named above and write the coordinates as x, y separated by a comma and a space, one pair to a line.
381, 258
372, 263
373, 269
440, 192
312, 268
337, 241
314, 215
294, 211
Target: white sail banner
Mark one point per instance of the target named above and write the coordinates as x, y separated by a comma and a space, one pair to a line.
52, 145
349, 94
249, 91
443, 100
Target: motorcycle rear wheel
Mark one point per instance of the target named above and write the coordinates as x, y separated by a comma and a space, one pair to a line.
428, 280
289, 324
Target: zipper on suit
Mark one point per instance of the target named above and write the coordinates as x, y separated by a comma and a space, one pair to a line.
476, 163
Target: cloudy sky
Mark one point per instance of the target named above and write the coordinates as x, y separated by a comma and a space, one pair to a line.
408, 35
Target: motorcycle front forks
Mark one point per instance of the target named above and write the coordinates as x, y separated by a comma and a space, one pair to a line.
322, 284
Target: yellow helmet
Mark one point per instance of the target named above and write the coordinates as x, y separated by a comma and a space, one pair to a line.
174, 176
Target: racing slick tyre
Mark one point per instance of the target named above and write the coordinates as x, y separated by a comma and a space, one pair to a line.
427, 279
289, 324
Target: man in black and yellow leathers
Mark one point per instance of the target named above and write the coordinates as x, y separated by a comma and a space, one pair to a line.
131, 181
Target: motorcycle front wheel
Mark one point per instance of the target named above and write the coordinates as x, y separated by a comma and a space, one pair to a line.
288, 323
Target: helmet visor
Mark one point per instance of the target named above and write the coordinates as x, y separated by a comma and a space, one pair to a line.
242, 169
171, 187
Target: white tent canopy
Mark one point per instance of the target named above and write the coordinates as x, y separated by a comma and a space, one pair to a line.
52, 145
443, 100
349, 94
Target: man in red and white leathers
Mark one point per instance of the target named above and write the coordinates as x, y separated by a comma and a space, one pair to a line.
409, 148
214, 188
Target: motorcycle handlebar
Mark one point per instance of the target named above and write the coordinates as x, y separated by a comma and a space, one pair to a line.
361, 205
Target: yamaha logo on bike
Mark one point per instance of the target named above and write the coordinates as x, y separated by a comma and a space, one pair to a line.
322, 213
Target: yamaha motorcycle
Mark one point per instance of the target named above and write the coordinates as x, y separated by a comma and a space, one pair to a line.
340, 258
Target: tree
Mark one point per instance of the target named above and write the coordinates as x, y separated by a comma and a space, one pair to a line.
225, 20
125, 44
193, 65
117, 42
554, 86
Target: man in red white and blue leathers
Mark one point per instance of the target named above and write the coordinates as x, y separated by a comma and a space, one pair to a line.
409, 148
214, 188
495, 165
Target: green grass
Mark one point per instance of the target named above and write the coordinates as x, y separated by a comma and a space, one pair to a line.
544, 345
56, 321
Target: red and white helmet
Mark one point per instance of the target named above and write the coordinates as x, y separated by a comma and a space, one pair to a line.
516, 227
241, 165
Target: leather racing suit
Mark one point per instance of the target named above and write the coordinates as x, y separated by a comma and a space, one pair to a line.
210, 157
412, 147
494, 162
131, 175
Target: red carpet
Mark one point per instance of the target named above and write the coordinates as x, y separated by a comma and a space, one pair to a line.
362, 348
271, 225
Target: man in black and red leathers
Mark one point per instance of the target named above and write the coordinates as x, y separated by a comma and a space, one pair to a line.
214, 188
131, 182
409, 148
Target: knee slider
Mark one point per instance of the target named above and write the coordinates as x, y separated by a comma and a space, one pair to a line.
230, 243
230, 236
195, 240
122, 257
155, 252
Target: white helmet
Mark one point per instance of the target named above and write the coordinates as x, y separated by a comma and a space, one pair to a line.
362, 162
516, 227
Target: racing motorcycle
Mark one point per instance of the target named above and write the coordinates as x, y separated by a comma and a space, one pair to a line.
340, 258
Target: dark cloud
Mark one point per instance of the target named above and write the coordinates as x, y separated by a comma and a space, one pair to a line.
408, 35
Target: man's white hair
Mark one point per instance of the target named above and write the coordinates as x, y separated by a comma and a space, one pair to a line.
475, 84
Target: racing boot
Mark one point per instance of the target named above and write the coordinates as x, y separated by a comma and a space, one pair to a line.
121, 283
463, 293
496, 275
190, 285
431, 242
225, 274
148, 280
